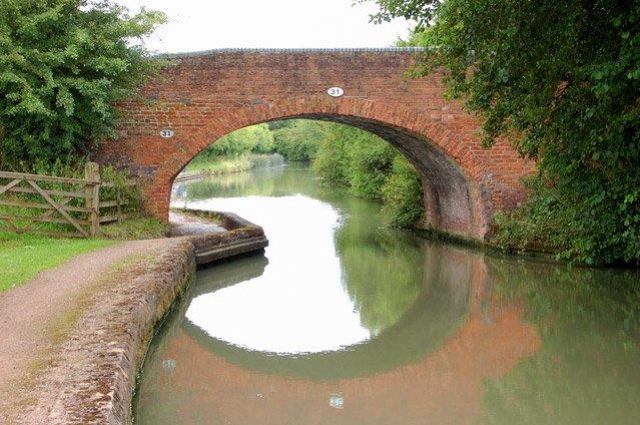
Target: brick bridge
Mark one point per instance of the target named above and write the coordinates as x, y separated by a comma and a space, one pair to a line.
209, 94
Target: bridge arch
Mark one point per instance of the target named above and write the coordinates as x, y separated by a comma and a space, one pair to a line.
208, 95
449, 191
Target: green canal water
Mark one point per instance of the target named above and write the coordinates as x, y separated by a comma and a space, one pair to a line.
343, 321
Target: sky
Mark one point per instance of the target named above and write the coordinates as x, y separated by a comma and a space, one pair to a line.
197, 25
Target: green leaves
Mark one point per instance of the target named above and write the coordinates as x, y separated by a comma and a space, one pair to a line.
370, 167
562, 80
63, 63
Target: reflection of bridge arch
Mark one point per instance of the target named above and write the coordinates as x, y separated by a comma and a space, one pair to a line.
421, 330
212, 94
444, 386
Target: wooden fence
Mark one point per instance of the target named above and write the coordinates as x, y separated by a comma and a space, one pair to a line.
47, 205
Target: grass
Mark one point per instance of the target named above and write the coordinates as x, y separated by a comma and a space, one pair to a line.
135, 229
23, 256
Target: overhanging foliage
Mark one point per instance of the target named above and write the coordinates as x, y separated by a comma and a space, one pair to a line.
560, 79
63, 63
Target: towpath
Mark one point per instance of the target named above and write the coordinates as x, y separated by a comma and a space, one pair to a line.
33, 318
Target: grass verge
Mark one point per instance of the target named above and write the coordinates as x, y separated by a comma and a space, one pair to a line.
23, 256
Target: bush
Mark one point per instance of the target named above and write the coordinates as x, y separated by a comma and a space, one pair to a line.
256, 138
580, 224
298, 140
371, 168
64, 65
402, 194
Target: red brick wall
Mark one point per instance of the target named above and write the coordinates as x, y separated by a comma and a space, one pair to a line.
207, 95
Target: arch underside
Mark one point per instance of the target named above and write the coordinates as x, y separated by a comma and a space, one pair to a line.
452, 202
447, 194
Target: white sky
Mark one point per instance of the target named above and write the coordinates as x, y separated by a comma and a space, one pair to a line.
202, 25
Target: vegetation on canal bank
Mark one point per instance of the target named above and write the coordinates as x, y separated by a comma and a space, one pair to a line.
233, 164
64, 65
22, 257
575, 111
371, 168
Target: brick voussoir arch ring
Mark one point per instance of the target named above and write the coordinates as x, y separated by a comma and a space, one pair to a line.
434, 148
209, 94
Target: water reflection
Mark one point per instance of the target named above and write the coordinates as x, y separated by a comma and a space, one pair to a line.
298, 304
457, 337
586, 371
321, 243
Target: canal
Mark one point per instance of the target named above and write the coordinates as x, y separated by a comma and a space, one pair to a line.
344, 321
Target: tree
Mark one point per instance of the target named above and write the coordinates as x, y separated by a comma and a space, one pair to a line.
560, 79
369, 167
63, 64
252, 139
297, 140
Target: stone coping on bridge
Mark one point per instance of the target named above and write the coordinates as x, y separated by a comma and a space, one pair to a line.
285, 50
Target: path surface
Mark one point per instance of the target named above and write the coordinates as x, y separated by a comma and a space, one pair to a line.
28, 312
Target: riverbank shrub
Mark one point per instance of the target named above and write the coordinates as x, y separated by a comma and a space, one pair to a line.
332, 162
402, 195
371, 168
63, 65
370, 162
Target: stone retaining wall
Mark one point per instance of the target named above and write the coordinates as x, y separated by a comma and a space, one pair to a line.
112, 336
242, 237
117, 326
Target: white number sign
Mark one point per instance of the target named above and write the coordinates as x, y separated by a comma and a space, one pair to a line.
166, 134
335, 91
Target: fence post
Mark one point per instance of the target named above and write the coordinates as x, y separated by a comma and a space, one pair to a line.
92, 195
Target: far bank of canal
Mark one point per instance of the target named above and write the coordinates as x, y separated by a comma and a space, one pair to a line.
342, 321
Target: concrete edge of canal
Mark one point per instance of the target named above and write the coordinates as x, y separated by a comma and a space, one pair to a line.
117, 330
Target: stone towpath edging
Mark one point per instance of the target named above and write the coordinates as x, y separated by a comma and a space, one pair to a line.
85, 372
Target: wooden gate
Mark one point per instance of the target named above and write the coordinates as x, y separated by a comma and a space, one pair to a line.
47, 205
